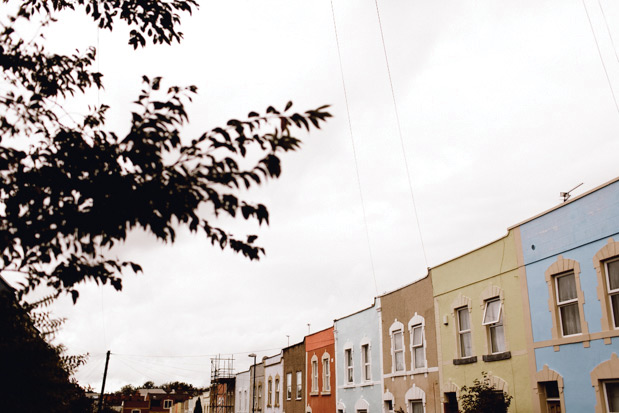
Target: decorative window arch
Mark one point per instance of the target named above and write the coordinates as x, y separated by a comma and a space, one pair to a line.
418, 345
362, 404
387, 402
415, 395
547, 375
341, 407
604, 372
606, 289
568, 270
398, 357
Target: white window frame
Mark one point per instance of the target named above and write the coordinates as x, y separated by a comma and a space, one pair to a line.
397, 327
314, 374
288, 386
168, 402
610, 291
259, 398
366, 362
349, 375
566, 303
299, 385
463, 332
494, 324
606, 394
418, 345
326, 373
269, 392
276, 391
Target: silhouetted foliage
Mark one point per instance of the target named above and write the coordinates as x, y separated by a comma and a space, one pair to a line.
35, 375
79, 188
483, 397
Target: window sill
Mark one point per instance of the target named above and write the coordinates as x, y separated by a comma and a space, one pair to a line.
497, 356
349, 386
367, 383
325, 393
465, 360
314, 393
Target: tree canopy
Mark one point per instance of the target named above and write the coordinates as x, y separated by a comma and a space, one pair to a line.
78, 188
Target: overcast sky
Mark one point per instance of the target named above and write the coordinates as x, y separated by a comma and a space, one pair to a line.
502, 105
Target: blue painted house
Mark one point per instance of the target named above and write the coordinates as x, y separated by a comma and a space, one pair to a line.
358, 362
570, 281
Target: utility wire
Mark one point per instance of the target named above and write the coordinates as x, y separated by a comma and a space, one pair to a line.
612, 92
397, 117
610, 35
354, 151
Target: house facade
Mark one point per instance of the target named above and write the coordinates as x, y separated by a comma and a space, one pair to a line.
358, 362
409, 350
320, 371
294, 378
242, 387
273, 373
480, 320
256, 388
571, 287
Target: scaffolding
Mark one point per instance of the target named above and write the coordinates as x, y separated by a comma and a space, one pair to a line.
222, 385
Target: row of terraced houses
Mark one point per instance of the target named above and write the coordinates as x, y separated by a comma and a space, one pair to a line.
537, 309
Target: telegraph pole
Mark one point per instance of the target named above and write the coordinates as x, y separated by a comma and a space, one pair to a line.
107, 360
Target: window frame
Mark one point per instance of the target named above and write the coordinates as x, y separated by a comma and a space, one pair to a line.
563, 266
289, 386
169, 402
299, 385
276, 390
269, 392
415, 401
610, 292
326, 373
314, 373
463, 332
366, 362
604, 383
494, 325
349, 365
566, 303
420, 345
399, 332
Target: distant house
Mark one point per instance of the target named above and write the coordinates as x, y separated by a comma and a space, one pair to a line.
571, 285
256, 375
242, 387
409, 351
273, 372
294, 378
358, 362
480, 320
320, 367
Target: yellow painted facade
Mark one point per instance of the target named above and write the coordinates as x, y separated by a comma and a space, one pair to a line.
472, 281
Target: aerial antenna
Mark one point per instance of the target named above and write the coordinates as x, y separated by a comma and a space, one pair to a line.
567, 195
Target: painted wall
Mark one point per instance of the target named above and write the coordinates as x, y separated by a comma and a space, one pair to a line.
294, 361
273, 370
242, 388
351, 332
470, 280
258, 401
320, 344
574, 231
406, 307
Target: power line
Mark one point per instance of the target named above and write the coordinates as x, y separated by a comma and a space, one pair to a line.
397, 117
597, 45
354, 151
